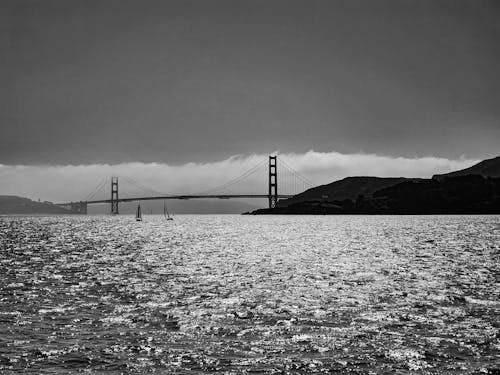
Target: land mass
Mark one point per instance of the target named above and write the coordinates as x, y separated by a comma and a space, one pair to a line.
14, 205
487, 168
475, 190
347, 188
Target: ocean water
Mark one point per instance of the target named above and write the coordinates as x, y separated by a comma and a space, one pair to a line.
250, 294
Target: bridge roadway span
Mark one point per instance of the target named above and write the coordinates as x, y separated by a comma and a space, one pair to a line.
184, 197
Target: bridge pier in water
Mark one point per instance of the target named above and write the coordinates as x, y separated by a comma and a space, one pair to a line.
79, 208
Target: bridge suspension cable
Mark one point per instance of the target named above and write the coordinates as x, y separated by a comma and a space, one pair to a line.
235, 180
144, 188
293, 181
96, 189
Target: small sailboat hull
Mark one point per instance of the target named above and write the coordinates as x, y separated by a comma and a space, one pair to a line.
138, 215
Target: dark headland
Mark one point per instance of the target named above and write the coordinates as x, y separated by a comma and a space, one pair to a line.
475, 190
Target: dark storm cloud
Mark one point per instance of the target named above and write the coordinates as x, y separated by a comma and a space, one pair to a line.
175, 81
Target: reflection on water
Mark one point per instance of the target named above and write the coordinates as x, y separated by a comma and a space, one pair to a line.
236, 294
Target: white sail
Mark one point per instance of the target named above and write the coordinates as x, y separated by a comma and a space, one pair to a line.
165, 212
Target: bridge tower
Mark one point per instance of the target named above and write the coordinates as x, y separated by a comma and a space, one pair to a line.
114, 195
273, 181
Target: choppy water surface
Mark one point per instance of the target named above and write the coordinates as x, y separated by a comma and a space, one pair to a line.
236, 294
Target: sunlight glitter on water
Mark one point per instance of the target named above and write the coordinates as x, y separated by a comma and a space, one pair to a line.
236, 294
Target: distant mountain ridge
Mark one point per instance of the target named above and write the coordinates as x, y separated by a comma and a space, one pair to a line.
486, 168
14, 205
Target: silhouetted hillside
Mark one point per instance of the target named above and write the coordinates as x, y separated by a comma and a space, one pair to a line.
487, 168
14, 205
471, 194
461, 194
348, 188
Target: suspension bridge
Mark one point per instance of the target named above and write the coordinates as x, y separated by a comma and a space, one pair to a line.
246, 185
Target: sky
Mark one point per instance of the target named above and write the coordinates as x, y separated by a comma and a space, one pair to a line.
191, 82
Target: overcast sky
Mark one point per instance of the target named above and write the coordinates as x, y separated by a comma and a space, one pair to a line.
168, 92
180, 81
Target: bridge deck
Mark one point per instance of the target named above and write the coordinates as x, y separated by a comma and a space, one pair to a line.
183, 197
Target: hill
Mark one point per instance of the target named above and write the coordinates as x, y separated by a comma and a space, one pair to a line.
471, 194
486, 168
14, 205
348, 188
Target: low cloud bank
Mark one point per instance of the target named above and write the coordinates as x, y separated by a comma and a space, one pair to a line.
77, 182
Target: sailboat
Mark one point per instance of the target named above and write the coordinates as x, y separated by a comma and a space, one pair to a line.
138, 216
165, 212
